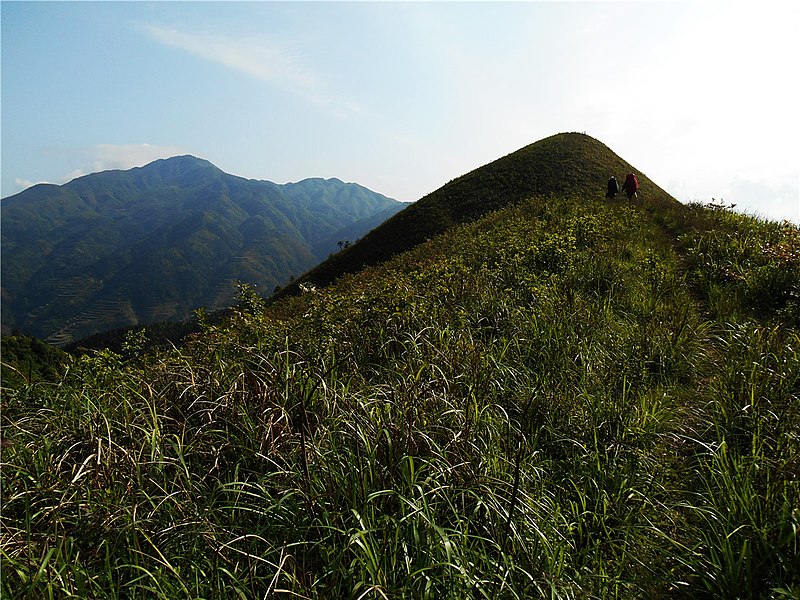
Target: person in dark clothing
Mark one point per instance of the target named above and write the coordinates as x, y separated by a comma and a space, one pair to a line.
630, 186
613, 187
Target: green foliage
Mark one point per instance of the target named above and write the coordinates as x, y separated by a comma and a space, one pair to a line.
27, 359
563, 164
745, 266
152, 244
741, 535
543, 402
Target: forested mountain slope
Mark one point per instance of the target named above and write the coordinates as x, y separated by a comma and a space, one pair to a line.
155, 243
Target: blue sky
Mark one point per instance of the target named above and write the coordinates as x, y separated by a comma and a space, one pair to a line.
403, 97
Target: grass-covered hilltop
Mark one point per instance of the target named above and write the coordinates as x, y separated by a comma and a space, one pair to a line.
541, 394
567, 164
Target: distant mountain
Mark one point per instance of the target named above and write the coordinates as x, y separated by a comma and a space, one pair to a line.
157, 242
560, 165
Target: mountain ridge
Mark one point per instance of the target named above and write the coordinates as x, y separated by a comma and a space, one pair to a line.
156, 242
565, 163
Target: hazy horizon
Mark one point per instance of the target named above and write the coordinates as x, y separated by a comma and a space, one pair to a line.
403, 97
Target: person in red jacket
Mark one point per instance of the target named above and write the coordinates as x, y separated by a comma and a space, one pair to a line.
630, 186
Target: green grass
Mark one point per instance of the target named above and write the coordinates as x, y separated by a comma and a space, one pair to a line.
557, 166
557, 400
27, 359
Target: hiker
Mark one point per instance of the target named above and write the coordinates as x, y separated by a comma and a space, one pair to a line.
630, 186
613, 187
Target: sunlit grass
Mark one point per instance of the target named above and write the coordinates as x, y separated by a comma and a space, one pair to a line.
538, 404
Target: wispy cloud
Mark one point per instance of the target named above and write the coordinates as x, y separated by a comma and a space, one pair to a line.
102, 157
24, 184
276, 62
777, 198
259, 58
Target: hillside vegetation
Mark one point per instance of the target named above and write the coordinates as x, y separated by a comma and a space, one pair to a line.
155, 243
565, 398
567, 163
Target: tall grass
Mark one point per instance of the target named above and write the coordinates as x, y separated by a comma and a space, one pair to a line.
532, 405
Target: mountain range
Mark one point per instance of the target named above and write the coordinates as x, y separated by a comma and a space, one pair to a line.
155, 243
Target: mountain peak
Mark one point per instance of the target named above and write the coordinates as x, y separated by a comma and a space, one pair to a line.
561, 165
178, 166
182, 160
153, 243
175, 170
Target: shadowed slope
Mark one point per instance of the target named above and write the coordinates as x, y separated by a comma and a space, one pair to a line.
154, 243
566, 163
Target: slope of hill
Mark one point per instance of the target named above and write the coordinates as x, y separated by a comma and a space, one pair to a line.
561, 164
564, 398
155, 243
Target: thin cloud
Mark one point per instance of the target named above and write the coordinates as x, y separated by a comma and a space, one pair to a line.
260, 59
103, 157
123, 156
280, 64
776, 199
24, 184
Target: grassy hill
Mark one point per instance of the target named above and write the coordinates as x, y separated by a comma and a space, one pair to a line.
567, 163
564, 397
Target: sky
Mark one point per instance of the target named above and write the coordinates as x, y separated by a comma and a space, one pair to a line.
402, 97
